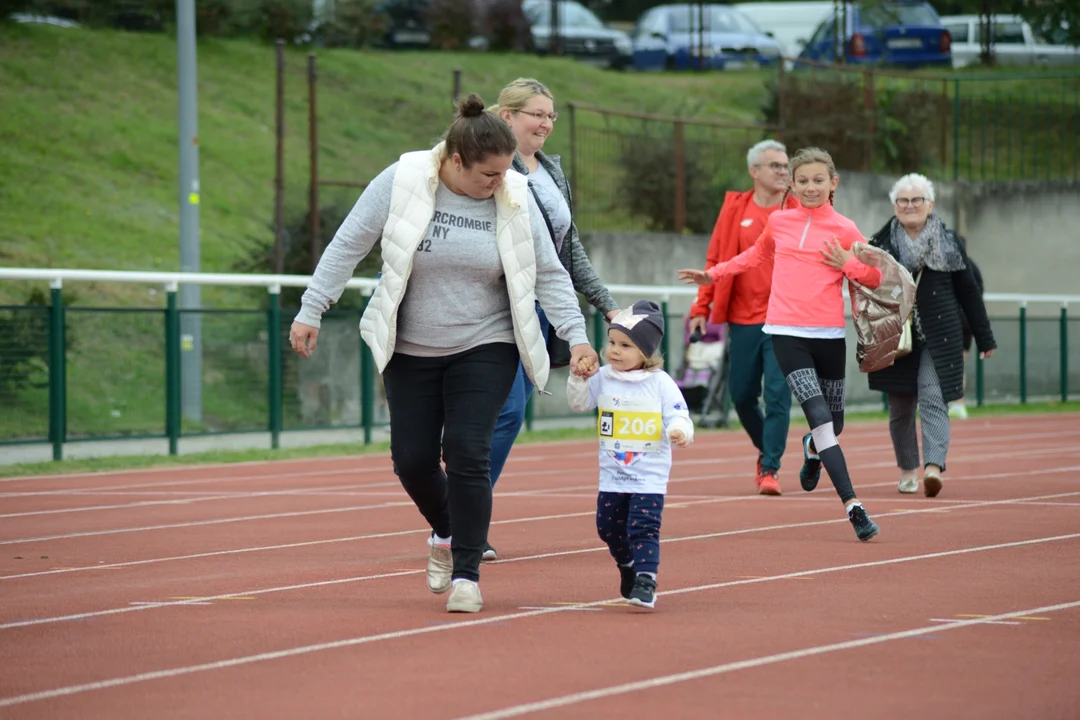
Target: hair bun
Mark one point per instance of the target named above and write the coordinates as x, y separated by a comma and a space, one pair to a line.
472, 105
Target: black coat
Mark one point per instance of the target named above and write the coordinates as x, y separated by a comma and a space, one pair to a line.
943, 300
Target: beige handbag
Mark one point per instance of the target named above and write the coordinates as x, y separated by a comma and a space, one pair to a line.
907, 339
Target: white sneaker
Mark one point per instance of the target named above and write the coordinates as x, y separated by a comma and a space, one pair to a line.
958, 411
465, 597
440, 565
908, 485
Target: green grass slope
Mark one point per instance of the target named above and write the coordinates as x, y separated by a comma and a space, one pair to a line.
88, 136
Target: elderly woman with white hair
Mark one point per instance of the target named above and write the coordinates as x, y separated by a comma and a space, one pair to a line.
932, 375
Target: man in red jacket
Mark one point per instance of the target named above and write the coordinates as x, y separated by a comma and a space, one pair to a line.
741, 302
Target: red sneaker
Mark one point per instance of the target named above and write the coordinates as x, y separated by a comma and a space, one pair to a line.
768, 484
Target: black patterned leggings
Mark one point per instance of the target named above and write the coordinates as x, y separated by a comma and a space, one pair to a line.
814, 369
629, 524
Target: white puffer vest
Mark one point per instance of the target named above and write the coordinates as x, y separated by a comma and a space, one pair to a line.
412, 205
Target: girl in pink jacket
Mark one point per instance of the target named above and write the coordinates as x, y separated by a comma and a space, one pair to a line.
811, 250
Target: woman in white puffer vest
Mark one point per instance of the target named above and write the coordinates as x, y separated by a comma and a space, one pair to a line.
453, 315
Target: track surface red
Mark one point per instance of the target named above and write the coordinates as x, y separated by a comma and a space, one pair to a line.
296, 589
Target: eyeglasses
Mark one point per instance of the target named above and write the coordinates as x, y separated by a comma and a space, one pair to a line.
913, 202
540, 115
776, 167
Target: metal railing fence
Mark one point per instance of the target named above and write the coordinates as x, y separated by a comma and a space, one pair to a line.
92, 373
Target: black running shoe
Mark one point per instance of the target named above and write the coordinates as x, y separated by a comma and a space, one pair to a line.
644, 592
865, 528
489, 554
626, 580
810, 472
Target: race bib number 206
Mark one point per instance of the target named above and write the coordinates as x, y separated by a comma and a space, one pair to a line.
630, 424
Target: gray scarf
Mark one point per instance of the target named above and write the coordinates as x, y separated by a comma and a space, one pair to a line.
935, 247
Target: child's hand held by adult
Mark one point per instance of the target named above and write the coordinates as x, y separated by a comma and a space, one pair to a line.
678, 438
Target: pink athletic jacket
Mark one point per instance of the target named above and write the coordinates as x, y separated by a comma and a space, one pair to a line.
805, 291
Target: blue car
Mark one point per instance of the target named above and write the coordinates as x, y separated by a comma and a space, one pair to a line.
907, 34
671, 37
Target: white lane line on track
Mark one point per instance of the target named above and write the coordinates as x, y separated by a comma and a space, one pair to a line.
735, 442
665, 680
399, 634
540, 556
523, 493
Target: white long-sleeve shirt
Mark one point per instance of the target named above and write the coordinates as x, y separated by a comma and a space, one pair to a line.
639, 410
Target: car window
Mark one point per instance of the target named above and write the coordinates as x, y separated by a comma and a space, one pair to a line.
652, 21
958, 32
1009, 33
571, 14
717, 19
878, 14
823, 32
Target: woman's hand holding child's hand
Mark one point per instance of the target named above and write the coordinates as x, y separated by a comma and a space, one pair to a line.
678, 438
587, 366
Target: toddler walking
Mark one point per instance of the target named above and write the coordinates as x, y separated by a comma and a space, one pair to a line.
642, 414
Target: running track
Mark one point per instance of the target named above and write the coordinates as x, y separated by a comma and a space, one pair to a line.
295, 589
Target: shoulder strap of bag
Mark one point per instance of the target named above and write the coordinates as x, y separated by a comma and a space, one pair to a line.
551, 230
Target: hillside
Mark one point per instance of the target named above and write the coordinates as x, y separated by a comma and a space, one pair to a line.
88, 136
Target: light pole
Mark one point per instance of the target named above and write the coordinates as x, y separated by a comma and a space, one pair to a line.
190, 296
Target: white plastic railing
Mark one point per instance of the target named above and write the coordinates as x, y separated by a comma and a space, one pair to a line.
171, 280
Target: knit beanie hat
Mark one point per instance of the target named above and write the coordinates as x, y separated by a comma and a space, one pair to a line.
644, 323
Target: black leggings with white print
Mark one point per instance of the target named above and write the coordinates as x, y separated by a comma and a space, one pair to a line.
814, 369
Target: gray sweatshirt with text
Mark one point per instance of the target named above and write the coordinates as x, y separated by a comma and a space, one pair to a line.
456, 297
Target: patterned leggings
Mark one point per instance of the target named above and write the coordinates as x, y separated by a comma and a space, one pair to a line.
815, 368
629, 523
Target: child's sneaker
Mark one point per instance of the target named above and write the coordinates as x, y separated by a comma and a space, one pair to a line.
865, 528
644, 592
626, 580
810, 472
489, 554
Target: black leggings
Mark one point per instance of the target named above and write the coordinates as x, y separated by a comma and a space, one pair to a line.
814, 369
447, 406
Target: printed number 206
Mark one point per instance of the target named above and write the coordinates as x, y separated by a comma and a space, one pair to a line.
637, 426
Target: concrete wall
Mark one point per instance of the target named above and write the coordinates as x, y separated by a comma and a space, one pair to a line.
1025, 237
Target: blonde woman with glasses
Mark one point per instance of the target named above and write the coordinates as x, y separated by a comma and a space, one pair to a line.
528, 107
932, 376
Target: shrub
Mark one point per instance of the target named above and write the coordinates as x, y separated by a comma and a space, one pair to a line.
831, 114
273, 19
297, 254
505, 26
647, 184
355, 23
451, 24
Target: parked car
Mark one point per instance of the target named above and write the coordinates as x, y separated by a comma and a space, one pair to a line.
1015, 43
908, 34
584, 36
789, 23
405, 23
673, 37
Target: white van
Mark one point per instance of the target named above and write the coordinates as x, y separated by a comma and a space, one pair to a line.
790, 23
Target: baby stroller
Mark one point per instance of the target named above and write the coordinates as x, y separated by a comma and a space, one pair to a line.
703, 375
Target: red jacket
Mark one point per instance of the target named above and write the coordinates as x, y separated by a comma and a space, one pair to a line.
723, 246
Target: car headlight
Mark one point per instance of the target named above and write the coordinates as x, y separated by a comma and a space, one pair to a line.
623, 45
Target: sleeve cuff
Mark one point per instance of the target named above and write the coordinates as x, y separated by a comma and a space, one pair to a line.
309, 316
